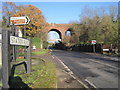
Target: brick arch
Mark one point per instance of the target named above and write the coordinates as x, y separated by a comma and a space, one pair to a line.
56, 30
62, 28
69, 29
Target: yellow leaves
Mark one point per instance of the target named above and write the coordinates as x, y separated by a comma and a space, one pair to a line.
36, 17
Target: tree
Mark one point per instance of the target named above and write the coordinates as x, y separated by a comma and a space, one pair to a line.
8, 10
76, 32
100, 24
37, 22
43, 37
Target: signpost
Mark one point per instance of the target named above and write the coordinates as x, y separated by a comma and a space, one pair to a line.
93, 42
13, 40
19, 21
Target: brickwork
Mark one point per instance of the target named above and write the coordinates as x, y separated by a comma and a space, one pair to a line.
62, 28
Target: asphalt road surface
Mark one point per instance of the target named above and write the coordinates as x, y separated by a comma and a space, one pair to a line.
0, 66
97, 70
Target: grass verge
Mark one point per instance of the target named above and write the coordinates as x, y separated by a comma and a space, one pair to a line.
43, 51
43, 75
0, 75
21, 54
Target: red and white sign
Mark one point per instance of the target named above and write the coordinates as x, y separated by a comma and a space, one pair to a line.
93, 41
19, 20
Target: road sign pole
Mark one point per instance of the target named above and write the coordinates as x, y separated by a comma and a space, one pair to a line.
24, 31
29, 58
94, 48
14, 48
5, 58
25, 37
14, 53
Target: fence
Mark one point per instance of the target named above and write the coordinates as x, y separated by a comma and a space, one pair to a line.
87, 48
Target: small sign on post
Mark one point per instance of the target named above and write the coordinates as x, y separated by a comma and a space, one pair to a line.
19, 20
93, 42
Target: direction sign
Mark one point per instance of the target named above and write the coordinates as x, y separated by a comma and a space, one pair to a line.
19, 20
93, 42
19, 41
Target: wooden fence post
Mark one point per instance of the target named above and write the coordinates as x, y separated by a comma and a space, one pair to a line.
5, 58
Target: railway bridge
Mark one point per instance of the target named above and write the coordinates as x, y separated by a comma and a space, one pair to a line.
61, 29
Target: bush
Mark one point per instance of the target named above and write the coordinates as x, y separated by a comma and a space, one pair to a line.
45, 45
36, 41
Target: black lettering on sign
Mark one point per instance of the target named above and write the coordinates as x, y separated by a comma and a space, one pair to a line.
18, 41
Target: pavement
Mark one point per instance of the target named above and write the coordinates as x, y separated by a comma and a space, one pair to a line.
65, 77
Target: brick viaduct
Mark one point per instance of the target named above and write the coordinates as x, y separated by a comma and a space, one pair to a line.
59, 28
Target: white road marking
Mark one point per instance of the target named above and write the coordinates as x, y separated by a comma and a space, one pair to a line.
71, 73
103, 63
90, 83
53, 57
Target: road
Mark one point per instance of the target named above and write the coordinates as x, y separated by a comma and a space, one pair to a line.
98, 71
0, 66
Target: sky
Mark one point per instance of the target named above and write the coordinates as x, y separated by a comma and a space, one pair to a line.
64, 12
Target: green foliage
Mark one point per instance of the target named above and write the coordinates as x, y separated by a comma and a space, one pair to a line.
17, 60
0, 83
98, 24
45, 45
43, 75
21, 54
36, 41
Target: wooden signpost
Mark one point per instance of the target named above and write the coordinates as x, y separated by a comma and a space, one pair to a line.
9, 39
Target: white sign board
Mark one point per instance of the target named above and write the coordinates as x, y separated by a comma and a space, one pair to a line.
19, 20
93, 41
19, 41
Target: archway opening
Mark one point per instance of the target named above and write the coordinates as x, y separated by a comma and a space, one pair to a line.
54, 36
68, 32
